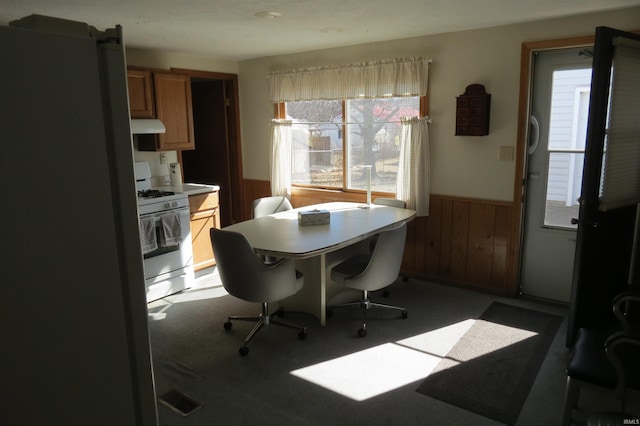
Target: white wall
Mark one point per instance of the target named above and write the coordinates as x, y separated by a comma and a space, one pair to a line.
155, 59
461, 166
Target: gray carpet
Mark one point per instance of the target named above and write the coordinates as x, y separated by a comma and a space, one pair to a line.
332, 377
491, 369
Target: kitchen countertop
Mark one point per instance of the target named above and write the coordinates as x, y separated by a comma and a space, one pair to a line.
191, 188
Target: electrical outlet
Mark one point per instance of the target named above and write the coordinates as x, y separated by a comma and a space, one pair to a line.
163, 158
506, 153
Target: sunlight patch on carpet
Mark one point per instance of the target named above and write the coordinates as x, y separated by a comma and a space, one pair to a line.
383, 368
157, 310
371, 372
438, 342
496, 338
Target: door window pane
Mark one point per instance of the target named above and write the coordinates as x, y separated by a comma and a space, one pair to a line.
567, 137
564, 184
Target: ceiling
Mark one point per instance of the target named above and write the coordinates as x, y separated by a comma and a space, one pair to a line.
230, 29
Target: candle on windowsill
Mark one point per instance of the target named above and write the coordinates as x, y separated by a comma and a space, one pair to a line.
368, 184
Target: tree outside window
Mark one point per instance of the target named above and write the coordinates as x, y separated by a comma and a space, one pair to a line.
333, 140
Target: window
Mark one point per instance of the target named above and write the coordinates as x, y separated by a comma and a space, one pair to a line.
332, 140
335, 122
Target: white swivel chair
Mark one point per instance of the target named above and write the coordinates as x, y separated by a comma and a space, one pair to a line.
245, 276
269, 205
374, 271
390, 202
266, 206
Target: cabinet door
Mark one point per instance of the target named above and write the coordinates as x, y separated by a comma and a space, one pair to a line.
173, 108
140, 93
201, 223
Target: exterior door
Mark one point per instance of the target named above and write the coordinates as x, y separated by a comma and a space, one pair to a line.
606, 260
560, 105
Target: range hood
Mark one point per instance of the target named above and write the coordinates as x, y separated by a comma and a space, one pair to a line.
146, 126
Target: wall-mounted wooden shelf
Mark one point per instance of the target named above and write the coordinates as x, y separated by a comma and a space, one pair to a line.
472, 111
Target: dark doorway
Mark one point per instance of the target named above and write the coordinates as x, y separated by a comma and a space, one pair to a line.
217, 158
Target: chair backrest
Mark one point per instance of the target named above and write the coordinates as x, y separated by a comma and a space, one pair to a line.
269, 205
623, 351
623, 347
385, 261
245, 276
391, 202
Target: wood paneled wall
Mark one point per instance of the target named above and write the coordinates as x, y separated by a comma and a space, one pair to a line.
466, 242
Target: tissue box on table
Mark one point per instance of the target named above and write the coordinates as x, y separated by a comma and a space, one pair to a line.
313, 217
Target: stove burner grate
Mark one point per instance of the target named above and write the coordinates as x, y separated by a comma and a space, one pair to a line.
154, 193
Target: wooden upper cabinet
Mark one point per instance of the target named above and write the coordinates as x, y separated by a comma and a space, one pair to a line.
174, 108
167, 97
140, 94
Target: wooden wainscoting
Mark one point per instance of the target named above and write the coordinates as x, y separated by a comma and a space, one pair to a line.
470, 243
254, 189
467, 242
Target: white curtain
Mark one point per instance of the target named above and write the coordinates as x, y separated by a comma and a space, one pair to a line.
376, 79
413, 184
281, 157
621, 180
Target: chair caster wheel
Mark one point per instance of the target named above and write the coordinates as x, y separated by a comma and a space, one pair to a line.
329, 313
227, 325
243, 351
362, 332
404, 315
302, 335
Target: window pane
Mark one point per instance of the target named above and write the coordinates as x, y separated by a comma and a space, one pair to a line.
373, 138
569, 108
564, 185
316, 143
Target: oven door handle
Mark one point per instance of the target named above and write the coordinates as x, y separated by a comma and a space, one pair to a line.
157, 215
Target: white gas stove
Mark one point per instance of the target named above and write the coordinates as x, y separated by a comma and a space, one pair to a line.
165, 237
147, 195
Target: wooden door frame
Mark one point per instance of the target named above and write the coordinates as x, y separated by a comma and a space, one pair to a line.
235, 149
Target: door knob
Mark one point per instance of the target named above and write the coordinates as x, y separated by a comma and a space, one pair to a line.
593, 224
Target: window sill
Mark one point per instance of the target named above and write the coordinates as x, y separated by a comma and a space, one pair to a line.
328, 195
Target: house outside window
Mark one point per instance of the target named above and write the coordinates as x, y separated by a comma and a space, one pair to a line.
332, 140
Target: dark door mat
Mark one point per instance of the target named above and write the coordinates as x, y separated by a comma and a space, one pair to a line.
180, 402
491, 369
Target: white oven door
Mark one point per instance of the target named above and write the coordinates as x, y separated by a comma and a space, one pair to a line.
168, 269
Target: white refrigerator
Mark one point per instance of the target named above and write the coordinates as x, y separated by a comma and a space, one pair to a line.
75, 346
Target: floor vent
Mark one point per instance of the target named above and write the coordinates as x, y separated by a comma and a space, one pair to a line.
180, 402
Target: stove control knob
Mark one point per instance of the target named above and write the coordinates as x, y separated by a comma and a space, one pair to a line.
174, 204
167, 205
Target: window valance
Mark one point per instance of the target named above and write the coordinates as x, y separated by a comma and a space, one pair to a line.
376, 79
